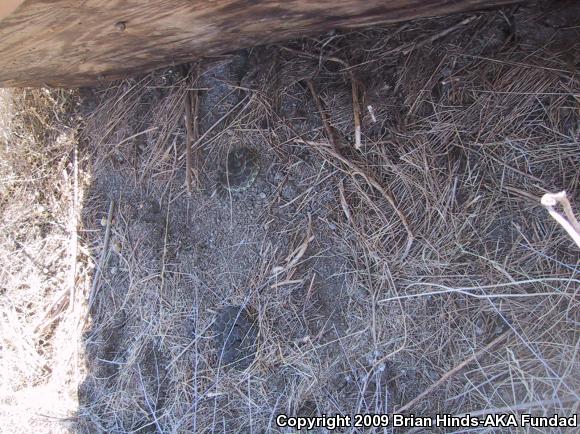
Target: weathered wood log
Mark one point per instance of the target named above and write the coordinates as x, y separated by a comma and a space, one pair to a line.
76, 43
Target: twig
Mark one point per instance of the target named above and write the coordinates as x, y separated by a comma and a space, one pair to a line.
550, 200
192, 157
197, 150
355, 86
286, 282
372, 113
188, 101
165, 242
104, 252
52, 313
329, 130
294, 257
356, 111
440, 34
355, 89
140, 133
74, 229
370, 180
344, 203
451, 373
469, 290
220, 120
152, 410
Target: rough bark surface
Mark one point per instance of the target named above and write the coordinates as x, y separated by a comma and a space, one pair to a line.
76, 43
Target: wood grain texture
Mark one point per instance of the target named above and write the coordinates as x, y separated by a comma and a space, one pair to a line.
7, 7
74, 43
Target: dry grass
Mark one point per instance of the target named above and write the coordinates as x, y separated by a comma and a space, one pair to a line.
43, 287
418, 273
477, 314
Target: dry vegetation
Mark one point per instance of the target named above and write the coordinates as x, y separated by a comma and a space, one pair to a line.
419, 273
42, 303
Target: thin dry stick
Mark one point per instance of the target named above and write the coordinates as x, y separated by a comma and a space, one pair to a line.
220, 120
188, 101
323, 115
356, 111
356, 108
74, 229
140, 133
439, 35
344, 203
451, 373
150, 405
368, 178
165, 243
197, 150
293, 258
104, 252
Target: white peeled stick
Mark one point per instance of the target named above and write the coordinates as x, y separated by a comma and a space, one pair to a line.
569, 223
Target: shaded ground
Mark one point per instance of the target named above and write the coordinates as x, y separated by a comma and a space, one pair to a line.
368, 274
469, 130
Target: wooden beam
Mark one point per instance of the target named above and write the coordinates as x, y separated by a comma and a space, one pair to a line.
7, 7
74, 43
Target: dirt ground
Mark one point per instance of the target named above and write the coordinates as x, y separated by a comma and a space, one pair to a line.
418, 273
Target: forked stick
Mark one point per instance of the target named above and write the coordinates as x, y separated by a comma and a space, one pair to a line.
571, 225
